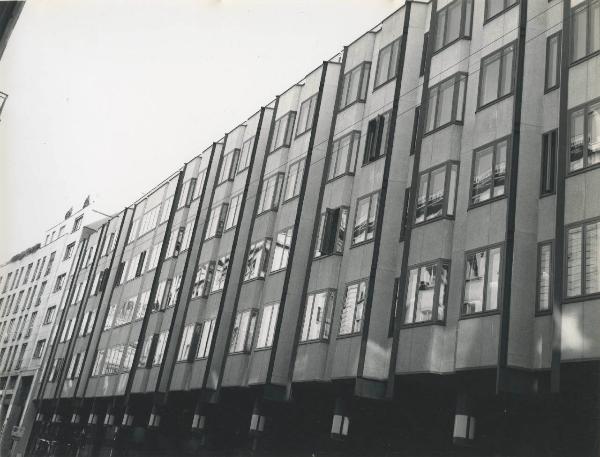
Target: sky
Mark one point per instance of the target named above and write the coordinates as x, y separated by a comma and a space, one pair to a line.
107, 98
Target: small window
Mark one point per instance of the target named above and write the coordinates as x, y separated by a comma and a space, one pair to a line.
216, 221
270, 193
548, 174
98, 362
60, 282
256, 262
453, 22
50, 313
332, 231
145, 354
199, 187
128, 357
553, 53
187, 236
55, 370
294, 179
354, 85
161, 345
387, 63
584, 136
494, 8
585, 29
69, 251
544, 280
496, 72
134, 230
154, 256
489, 172
228, 166
172, 292
233, 211
186, 343
427, 293
39, 349
77, 223
268, 321
203, 280
583, 260
243, 331
351, 318
316, 324
221, 268
482, 281
436, 193
281, 253
343, 155
166, 210
112, 310
306, 116
187, 191
282, 131
245, 155
376, 142
206, 336
446, 103
365, 219
175, 242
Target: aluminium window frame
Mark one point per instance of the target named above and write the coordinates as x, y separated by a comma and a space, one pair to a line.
379, 142
289, 130
229, 174
321, 231
279, 178
287, 231
272, 322
494, 143
558, 36
301, 169
246, 163
355, 136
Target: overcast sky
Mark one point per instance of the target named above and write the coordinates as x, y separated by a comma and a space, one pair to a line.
108, 97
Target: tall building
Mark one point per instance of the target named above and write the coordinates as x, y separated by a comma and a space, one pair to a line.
32, 292
399, 254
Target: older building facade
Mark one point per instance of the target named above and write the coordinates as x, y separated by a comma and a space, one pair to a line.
400, 253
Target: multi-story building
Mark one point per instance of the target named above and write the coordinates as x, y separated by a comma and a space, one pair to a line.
399, 252
32, 290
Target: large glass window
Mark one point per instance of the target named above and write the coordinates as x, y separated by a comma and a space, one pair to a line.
489, 172
494, 8
233, 211
268, 321
243, 331
281, 254
446, 102
332, 231
453, 22
584, 136
496, 75
583, 259
427, 293
343, 155
270, 193
307, 114
553, 48
548, 174
316, 324
203, 280
437, 193
544, 280
376, 141
205, 341
482, 281
216, 221
351, 318
228, 166
282, 131
585, 29
387, 63
221, 268
294, 179
354, 86
256, 263
366, 216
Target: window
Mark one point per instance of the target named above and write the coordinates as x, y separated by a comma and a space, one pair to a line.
583, 259
154, 255
496, 75
49, 317
145, 354
60, 282
124, 314
50, 262
489, 172
452, 23
173, 291
282, 131
166, 210
270, 193
316, 324
108, 244
187, 191
283, 243
161, 345
186, 342
149, 220
175, 242
128, 357
55, 370
332, 231
203, 280
69, 251
89, 319
187, 236
353, 308
96, 370
67, 330
245, 155
446, 103
405, 215
343, 155
112, 361
436, 193
482, 281
544, 280
228, 166
584, 136
233, 211
161, 295
307, 114
494, 8
134, 230
139, 264
75, 366
39, 349
110, 317
553, 53
376, 142
354, 86
268, 321
585, 27
243, 331
77, 223
206, 335
427, 293
144, 300
364, 221
548, 174
216, 221
256, 262
220, 273
387, 63
294, 179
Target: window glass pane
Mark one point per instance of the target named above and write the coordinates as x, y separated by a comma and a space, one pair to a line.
452, 189
493, 7
372, 216
482, 175
360, 224
383, 65
307, 318
443, 281
468, 17
507, 71
444, 109
491, 301
410, 296
353, 86
579, 33
365, 69
594, 27
432, 102
544, 277
318, 312
435, 199
348, 309
360, 304
440, 29
460, 103
490, 72
425, 293
474, 283
576, 141
500, 169
592, 258
453, 23
552, 62
593, 147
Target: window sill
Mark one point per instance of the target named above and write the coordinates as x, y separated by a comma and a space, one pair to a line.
258, 278
212, 292
584, 58
493, 102
238, 353
200, 359
362, 243
364, 164
318, 340
242, 170
580, 298
327, 256
266, 211
280, 270
212, 237
229, 229
547, 90
278, 148
491, 18
335, 178
486, 202
582, 170
383, 84
546, 312
547, 194
298, 135
262, 349
222, 182
355, 102
422, 324
435, 219
295, 197
479, 314
442, 127
447, 45
348, 335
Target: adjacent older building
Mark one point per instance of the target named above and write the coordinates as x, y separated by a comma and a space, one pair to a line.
399, 254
